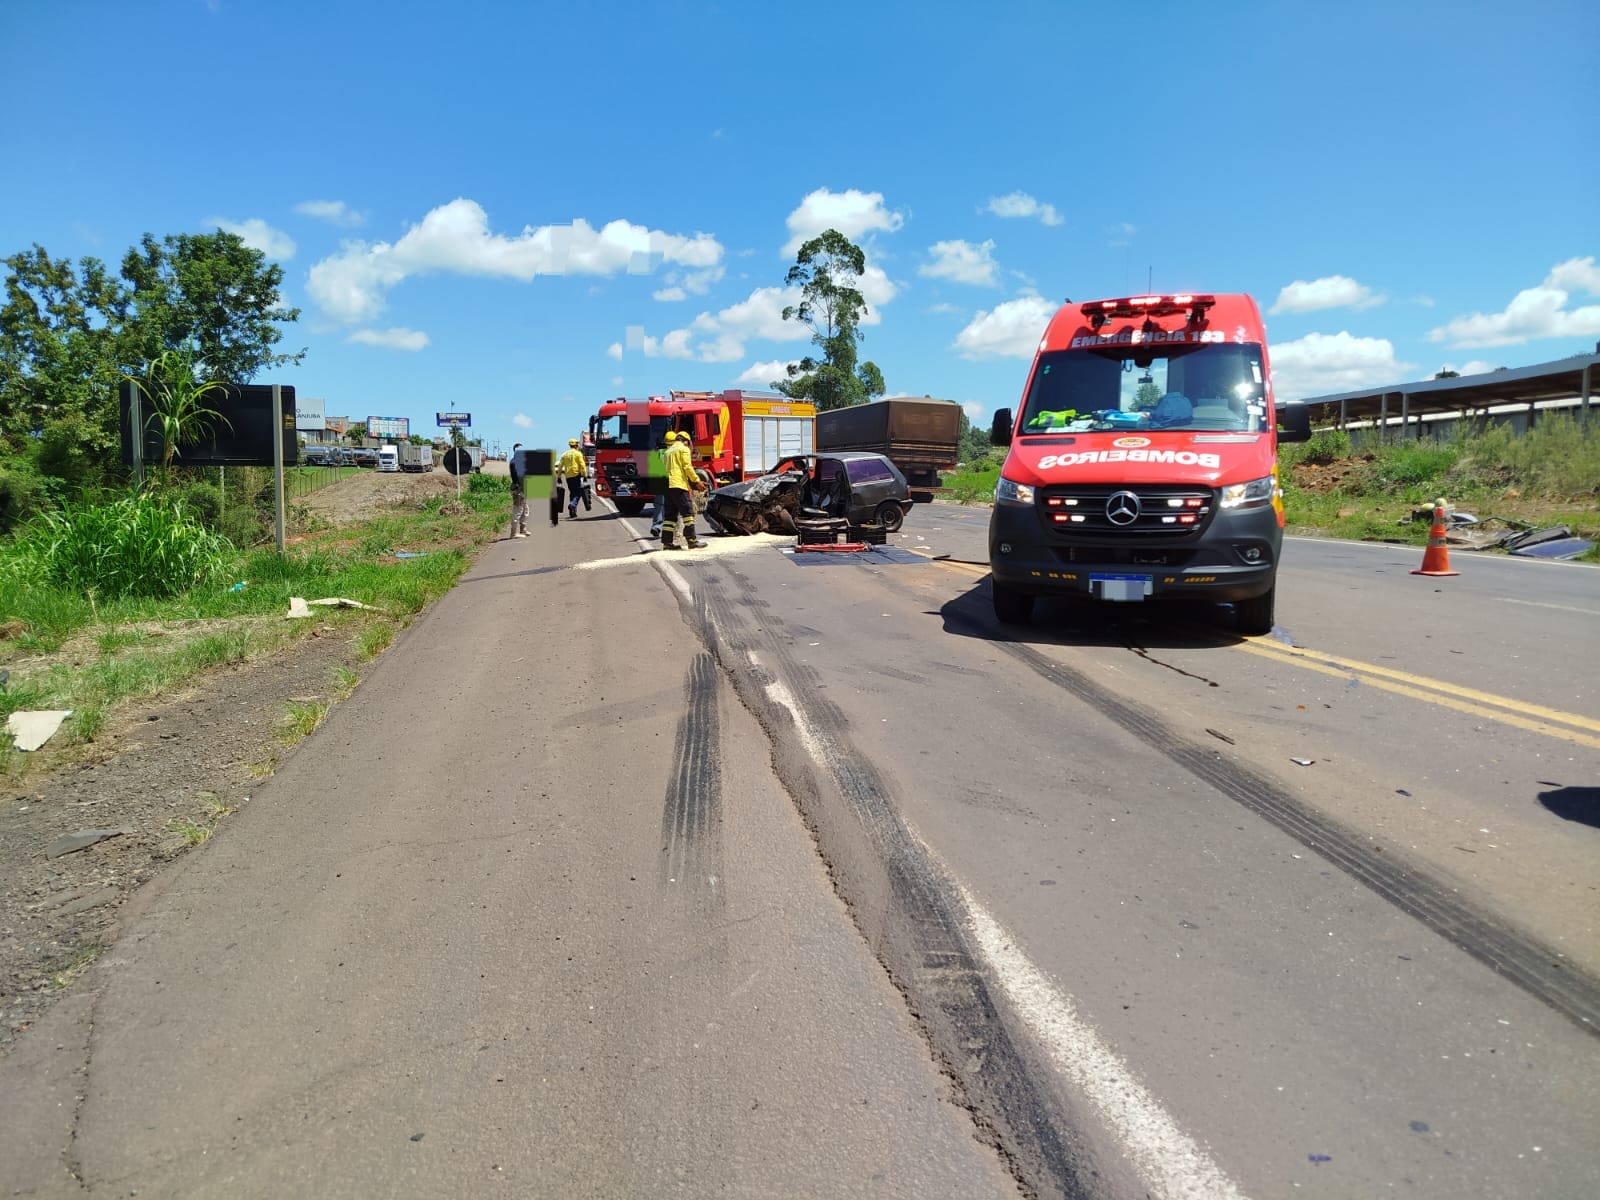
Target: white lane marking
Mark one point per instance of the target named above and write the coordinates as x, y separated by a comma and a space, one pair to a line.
1587, 612
1170, 1163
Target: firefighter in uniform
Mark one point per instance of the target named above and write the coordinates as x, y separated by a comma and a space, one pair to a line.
681, 481
575, 471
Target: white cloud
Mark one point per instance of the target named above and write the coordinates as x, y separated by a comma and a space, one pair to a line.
335, 212
353, 285
614, 351
1331, 291
1321, 363
1476, 367
522, 421
1009, 330
390, 339
963, 262
762, 374
942, 309
616, 381
973, 409
258, 235
1536, 312
683, 284
1020, 204
851, 212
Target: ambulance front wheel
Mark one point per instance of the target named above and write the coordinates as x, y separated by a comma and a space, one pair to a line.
1255, 615
1011, 607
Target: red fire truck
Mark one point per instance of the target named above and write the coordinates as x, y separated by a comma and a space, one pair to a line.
1143, 461
733, 435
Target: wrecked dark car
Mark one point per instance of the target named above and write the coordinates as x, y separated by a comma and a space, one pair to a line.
864, 489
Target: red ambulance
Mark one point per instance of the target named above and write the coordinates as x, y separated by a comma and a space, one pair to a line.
1143, 462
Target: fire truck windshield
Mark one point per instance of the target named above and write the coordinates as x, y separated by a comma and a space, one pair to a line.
1208, 388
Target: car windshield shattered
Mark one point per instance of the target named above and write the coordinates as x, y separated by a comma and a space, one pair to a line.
1211, 388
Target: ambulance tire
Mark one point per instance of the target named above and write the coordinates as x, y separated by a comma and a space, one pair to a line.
1254, 616
1011, 607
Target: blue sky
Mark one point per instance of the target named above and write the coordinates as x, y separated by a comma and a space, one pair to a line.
522, 210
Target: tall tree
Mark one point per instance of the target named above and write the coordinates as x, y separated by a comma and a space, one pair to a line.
827, 270
212, 292
58, 348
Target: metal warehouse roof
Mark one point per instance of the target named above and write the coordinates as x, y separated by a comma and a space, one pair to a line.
1564, 379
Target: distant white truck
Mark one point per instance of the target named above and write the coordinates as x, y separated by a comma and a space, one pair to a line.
415, 458
388, 458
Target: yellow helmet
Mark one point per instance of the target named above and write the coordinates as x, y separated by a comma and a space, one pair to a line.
573, 442
672, 436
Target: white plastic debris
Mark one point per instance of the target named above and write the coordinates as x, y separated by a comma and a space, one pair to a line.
30, 730
300, 607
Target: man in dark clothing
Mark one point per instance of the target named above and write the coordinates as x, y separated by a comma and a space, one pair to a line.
519, 494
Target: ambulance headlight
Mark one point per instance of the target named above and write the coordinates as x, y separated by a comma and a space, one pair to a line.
1249, 495
1009, 491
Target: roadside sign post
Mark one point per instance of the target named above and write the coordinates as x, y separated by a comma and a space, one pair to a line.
277, 460
453, 420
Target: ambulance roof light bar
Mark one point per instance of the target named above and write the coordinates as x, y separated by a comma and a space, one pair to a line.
1101, 311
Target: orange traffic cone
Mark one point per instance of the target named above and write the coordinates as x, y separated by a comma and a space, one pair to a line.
1436, 558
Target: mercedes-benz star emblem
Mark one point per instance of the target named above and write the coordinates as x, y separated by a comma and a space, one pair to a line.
1122, 508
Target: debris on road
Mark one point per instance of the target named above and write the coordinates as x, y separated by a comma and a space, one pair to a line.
30, 730
299, 606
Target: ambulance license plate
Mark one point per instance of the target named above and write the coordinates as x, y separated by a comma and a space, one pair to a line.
1121, 587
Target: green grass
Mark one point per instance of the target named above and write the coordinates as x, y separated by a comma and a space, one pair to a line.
302, 720
112, 645
77, 963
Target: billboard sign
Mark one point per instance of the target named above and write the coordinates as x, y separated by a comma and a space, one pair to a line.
241, 438
398, 428
309, 416
454, 420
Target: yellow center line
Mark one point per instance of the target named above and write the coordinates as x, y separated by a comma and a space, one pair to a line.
1533, 717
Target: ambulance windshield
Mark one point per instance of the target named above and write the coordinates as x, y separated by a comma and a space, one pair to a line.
1214, 388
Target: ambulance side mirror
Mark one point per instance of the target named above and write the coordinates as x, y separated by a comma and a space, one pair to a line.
1294, 422
1000, 431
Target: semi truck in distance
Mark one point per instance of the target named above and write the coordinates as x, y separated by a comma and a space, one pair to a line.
1143, 461
921, 436
415, 458
388, 457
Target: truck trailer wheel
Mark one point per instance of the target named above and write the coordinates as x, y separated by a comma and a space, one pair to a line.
1011, 607
1255, 616
891, 516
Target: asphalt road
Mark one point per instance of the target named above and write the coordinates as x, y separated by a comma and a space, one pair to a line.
767, 874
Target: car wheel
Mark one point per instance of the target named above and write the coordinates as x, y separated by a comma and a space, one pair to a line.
1255, 615
891, 516
1011, 607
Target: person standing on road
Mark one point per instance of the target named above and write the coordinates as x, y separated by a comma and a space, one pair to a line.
519, 493
658, 507
575, 471
681, 481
